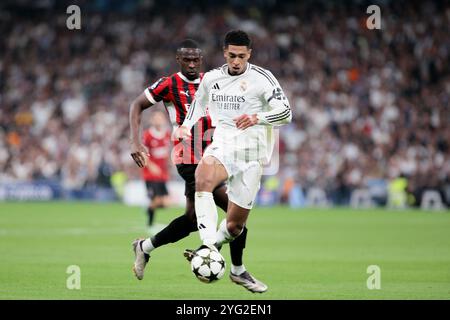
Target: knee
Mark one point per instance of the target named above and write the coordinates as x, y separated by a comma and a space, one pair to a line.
156, 203
234, 228
204, 182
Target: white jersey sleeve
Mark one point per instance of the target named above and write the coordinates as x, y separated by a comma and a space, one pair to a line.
280, 111
198, 105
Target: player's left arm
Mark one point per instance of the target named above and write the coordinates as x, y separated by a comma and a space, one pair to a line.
280, 111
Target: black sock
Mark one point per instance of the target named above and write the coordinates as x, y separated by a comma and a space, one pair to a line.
151, 215
237, 248
178, 229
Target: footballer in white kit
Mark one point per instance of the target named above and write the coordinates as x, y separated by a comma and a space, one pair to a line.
242, 152
244, 102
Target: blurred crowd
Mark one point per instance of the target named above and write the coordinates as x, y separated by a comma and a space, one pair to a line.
367, 104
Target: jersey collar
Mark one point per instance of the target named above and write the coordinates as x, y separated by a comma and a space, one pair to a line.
186, 79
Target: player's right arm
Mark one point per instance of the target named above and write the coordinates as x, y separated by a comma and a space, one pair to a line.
155, 93
138, 151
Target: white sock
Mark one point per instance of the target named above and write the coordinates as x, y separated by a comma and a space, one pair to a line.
147, 246
206, 212
223, 236
237, 270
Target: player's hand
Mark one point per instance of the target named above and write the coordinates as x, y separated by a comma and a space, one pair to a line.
139, 154
244, 121
181, 133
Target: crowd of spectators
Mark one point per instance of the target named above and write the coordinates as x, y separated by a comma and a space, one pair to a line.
367, 104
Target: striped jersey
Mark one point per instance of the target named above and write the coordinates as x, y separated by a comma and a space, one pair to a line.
177, 93
255, 91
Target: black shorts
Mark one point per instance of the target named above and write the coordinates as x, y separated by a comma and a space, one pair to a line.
156, 189
187, 172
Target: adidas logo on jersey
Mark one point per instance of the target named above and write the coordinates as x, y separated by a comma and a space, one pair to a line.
216, 86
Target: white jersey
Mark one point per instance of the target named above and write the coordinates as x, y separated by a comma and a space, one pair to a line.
255, 91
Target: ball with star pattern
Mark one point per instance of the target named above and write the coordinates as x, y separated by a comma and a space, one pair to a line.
208, 265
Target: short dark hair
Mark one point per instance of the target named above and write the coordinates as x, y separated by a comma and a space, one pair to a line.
237, 38
188, 43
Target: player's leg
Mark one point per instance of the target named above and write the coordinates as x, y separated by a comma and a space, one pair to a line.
236, 220
237, 246
209, 173
165, 201
183, 225
242, 190
154, 204
177, 229
151, 193
159, 200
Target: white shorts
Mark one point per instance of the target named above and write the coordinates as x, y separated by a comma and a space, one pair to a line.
244, 177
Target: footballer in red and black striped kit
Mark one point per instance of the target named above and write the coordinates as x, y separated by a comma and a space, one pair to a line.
177, 93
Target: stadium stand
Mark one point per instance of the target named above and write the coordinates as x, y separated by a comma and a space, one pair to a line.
370, 106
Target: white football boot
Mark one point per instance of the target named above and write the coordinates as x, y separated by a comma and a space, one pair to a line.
249, 282
141, 259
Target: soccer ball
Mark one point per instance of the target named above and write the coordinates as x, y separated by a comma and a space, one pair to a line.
208, 265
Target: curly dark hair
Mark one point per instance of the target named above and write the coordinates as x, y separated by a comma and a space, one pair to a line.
237, 38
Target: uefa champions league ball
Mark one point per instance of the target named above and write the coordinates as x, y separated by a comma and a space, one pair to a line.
208, 265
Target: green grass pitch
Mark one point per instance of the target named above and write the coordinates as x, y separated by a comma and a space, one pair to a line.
300, 254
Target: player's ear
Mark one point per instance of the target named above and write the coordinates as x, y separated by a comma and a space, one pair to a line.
225, 51
249, 53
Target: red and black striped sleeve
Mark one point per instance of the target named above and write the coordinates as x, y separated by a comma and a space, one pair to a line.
158, 91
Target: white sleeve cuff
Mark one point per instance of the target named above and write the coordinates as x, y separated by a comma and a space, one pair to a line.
261, 119
149, 96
